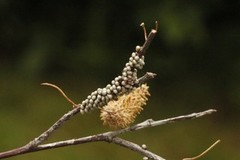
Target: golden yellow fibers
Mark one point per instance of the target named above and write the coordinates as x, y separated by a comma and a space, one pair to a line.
121, 113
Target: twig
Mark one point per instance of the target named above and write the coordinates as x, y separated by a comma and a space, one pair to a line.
204, 152
54, 127
148, 39
136, 148
151, 123
61, 91
68, 115
76, 110
144, 30
35, 145
108, 137
146, 77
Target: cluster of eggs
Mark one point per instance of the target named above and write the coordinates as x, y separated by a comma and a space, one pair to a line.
120, 85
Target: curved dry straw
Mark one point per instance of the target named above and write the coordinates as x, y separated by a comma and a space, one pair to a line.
61, 91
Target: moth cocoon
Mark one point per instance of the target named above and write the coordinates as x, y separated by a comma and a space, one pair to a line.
122, 112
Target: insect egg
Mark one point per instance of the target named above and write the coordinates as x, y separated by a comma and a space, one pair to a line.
104, 92
133, 54
138, 48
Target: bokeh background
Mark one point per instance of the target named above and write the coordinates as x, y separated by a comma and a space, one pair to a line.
82, 45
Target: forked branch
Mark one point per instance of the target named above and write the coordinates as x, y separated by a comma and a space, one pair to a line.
78, 107
110, 137
122, 84
127, 83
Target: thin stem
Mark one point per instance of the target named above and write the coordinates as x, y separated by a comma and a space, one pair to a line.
136, 148
148, 39
54, 127
147, 43
204, 152
151, 123
144, 30
146, 77
61, 91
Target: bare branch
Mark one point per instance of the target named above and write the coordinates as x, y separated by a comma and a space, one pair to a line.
148, 39
71, 113
147, 43
107, 137
134, 147
146, 77
78, 108
151, 123
74, 111
125, 83
54, 127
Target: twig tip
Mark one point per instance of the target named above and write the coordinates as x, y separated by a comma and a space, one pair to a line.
44, 84
154, 31
151, 74
212, 110
156, 25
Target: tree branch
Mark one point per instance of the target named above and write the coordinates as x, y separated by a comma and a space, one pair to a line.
136, 148
148, 39
147, 43
128, 81
77, 109
74, 111
151, 123
109, 137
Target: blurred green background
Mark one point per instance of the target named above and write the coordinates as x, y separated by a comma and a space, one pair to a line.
82, 45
